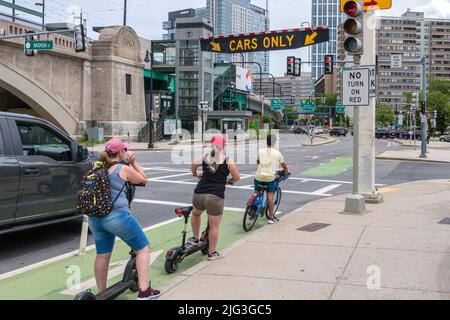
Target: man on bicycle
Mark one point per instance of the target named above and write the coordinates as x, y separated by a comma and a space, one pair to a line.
268, 161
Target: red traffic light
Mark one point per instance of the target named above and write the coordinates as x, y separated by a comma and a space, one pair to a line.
290, 60
328, 59
353, 9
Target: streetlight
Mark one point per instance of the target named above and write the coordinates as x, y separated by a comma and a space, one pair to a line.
42, 4
149, 59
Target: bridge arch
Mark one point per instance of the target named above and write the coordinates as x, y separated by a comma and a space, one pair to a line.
40, 100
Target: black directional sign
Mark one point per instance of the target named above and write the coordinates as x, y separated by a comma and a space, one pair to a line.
266, 41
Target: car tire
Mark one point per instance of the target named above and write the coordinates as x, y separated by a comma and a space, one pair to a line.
442, 140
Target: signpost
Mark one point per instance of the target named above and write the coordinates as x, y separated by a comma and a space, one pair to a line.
38, 45
266, 41
277, 104
356, 87
308, 106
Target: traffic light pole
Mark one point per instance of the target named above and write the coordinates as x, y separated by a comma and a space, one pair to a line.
424, 122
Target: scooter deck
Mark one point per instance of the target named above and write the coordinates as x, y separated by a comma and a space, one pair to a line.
114, 291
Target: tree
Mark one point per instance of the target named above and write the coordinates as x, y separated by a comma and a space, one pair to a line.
439, 85
440, 102
385, 115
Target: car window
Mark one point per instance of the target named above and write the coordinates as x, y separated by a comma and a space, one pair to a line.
40, 141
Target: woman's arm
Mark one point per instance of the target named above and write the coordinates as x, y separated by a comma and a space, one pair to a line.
134, 174
234, 172
195, 165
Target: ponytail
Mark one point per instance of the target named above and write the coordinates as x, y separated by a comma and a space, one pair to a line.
106, 157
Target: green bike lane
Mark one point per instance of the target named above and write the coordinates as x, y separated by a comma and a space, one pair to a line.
50, 281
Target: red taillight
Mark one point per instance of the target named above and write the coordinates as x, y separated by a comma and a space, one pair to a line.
179, 212
169, 253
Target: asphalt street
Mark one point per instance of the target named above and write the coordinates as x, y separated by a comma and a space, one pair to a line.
317, 172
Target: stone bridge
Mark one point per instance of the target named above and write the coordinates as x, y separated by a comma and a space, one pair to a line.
103, 87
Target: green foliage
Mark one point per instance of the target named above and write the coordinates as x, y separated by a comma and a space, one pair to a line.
385, 115
439, 101
439, 85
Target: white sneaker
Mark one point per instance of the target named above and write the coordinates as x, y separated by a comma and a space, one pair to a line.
215, 256
272, 221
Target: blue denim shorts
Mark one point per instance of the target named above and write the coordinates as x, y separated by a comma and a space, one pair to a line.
121, 224
271, 186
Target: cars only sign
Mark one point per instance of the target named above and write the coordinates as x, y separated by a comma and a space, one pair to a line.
356, 85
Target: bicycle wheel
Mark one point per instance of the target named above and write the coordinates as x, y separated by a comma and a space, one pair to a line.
250, 218
276, 201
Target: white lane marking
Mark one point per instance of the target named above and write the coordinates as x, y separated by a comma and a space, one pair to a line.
180, 204
242, 188
174, 176
165, 169
88, 284
327, 189
71, 254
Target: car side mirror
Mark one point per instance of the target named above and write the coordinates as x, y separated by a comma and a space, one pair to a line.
83, 153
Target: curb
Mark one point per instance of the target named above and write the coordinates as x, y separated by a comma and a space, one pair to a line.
412, 160
330, 141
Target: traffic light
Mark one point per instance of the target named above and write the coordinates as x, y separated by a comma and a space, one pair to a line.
29, 53
329, 64
298, 67
80, 39
423, 107
354, 28
291, 66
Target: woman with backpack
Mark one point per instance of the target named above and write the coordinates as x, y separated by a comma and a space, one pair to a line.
120, 222
210, 192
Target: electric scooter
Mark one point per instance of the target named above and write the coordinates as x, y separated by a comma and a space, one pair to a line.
175, 256
130, 281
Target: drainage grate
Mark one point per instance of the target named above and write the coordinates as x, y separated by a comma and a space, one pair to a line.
313, 227
445, 221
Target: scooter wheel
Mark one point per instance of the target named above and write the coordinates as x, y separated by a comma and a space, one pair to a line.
86, 295
135, 286
172, 265
205, 251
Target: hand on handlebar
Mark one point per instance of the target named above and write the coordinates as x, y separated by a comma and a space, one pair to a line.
230, 182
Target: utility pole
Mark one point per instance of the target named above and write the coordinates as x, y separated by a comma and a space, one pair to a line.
125, 4
424, 122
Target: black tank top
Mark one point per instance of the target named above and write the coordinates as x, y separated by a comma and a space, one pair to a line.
213, 183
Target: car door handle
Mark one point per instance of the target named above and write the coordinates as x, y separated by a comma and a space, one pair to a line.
31, 172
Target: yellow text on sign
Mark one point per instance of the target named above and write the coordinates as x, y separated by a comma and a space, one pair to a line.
273, 41
370, 5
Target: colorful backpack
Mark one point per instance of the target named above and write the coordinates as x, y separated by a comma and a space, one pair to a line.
94, 199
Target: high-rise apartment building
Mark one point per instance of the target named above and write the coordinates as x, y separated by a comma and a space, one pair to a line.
413, 37
236, 17
325, 13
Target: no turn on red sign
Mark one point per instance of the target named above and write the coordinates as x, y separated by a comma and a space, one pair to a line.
356, 87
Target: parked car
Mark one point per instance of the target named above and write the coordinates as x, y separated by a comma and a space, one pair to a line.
318, 131
41, 169
339, 132
300, 130
445, 138
382, 133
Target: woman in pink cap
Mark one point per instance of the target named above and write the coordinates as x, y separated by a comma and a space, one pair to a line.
210, 192
120, 222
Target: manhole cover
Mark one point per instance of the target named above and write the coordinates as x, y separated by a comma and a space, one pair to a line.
313, 227
445, 221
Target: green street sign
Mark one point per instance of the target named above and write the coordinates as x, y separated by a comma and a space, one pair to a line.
308, 106
340, 108
38, 45
277, 104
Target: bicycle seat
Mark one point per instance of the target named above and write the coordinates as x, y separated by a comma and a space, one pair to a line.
184, 211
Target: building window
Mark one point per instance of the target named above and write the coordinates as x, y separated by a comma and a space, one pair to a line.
128, 84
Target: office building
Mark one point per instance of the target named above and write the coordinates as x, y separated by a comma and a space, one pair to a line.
325, 13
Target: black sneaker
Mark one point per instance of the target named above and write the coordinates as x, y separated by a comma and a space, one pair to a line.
149, 294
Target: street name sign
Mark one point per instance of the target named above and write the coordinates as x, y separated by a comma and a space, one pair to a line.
38, 45
371, 5
356, 87
266, 41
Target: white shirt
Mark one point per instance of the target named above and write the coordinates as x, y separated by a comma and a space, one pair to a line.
269, 161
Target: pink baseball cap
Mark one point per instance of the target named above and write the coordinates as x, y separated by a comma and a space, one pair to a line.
219, 142
116, 145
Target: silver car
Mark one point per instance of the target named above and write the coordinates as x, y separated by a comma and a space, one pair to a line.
445, 138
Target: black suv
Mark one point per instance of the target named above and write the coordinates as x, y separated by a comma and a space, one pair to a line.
339, 132
41, 169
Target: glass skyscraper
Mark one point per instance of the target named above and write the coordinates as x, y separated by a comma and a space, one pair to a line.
325, 13
235, 17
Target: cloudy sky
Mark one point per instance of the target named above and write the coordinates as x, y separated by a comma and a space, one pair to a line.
146, 16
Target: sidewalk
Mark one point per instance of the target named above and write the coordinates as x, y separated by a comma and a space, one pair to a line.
432, 145
401, 241
409, 154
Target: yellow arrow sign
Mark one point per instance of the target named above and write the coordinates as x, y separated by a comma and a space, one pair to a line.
216, 47
310, 38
